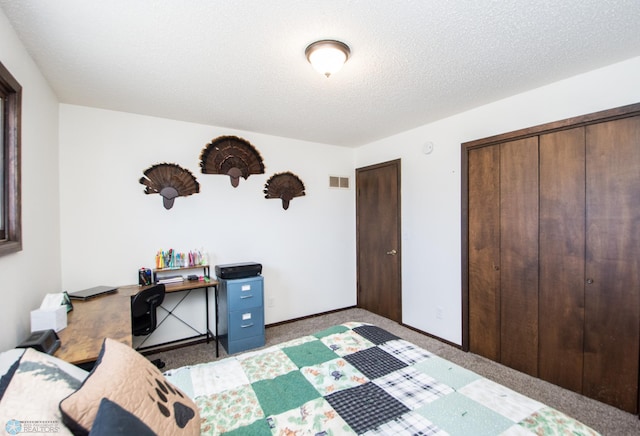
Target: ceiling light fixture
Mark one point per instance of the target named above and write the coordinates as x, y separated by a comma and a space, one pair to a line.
327, 56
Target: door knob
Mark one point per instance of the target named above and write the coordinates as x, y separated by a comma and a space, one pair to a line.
392, 252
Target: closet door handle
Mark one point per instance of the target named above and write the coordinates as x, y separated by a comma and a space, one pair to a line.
589, 281
392, 252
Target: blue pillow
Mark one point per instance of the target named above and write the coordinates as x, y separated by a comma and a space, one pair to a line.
113, 420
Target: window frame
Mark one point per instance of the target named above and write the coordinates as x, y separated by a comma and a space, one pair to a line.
11, 93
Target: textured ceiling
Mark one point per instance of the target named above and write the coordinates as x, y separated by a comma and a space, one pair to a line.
240, 63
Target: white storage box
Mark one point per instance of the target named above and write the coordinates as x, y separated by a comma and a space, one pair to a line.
45, 319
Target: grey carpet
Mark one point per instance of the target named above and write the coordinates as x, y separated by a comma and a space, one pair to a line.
603, 418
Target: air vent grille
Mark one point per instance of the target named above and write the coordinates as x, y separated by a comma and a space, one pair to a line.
338, 182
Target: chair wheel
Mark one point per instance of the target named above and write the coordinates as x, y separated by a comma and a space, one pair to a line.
158, 363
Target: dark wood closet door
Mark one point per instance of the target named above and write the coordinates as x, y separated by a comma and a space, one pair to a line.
562, 239
519, 254
484, 251
569, 238
378, 239
612, 318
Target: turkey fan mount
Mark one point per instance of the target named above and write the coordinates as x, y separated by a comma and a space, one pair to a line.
170, 181
231, 156
285, 186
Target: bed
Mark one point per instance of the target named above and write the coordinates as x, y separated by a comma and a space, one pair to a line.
353, 378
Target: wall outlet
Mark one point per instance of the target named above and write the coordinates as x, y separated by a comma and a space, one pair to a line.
439, 312
271, 302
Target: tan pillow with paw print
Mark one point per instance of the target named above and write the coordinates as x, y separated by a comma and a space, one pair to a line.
125, 377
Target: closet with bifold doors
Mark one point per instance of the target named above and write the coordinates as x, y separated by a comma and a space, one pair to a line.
551, 252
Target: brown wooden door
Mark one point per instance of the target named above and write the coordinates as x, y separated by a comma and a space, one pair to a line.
484, 251
503, 253
519, 254
378, 239
612, 311
562, 239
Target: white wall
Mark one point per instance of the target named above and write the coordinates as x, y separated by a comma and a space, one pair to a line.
431, 221
110, 228
92, 201
29, 274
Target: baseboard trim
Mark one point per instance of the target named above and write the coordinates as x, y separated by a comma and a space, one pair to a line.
444, 341
315, 315
437, 338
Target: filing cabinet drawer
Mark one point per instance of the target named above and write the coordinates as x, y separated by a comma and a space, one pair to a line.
246, 323
245, 293
244, 344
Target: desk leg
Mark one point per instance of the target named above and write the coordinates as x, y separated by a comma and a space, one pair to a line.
215, 296
206, 311
216, 304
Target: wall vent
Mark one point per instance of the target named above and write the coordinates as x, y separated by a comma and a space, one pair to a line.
339, 182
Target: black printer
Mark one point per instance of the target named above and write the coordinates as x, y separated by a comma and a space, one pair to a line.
240, 270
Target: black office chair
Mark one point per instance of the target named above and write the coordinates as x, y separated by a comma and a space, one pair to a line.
143, 313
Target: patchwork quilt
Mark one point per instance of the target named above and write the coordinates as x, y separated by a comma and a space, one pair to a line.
357, 378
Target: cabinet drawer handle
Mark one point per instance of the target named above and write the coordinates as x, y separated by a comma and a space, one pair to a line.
589, 281
242, 297
247, 325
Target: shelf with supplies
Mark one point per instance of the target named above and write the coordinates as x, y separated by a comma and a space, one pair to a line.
174, 276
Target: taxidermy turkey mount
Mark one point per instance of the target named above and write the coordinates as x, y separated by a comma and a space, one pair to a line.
231, 156
170, 181
285, 186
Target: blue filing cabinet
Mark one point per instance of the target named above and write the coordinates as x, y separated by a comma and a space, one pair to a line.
241, 313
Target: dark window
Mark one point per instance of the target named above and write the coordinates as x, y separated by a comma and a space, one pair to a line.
10, 108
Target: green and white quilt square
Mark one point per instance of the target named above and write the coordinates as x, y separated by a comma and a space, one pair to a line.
256, 428
547, 421
309, 353
336, 329
315, 417
297, 341
347, 342
446, 372
212, 378
288, 391
228, 410
269, 365
353, 324
332, 376
460, 415
501, 399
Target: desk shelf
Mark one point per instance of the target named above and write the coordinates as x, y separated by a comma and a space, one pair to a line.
158, 272
179, 268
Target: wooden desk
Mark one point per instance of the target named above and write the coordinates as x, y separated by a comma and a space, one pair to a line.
108, 316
